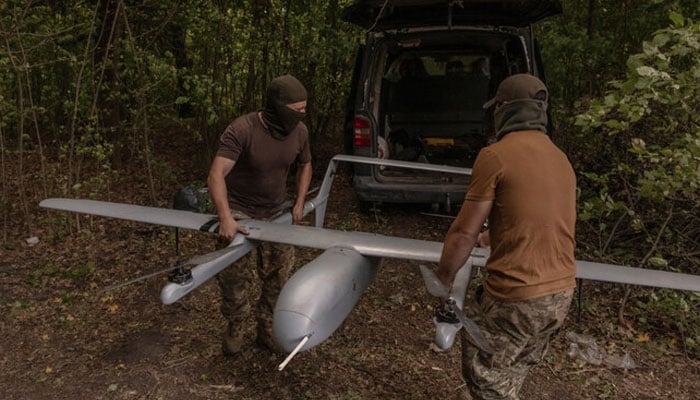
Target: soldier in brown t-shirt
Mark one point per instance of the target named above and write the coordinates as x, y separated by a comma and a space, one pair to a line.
526, 188
248, 180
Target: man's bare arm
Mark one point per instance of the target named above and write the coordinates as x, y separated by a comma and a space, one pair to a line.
461, 238
216, 181
303, 180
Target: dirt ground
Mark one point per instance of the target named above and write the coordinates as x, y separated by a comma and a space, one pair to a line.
64, 337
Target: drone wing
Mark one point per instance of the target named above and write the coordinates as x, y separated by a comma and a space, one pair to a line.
131, 212
368, 244
637, 276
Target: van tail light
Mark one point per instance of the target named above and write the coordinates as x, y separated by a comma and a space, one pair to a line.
362, 136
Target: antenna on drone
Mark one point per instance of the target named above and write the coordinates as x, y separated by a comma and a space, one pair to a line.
293, 353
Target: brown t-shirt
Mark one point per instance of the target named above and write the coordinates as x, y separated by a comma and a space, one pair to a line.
257, 184
533, 218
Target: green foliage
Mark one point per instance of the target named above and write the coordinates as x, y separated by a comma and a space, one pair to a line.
39, 277
43, 276
80, 270
346, 226
639, 165
677, 314
607, 390
654, 165
18, 307
69, 299
588, 45
93, 85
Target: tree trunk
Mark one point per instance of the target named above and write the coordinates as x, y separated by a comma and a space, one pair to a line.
107, 108
589, 19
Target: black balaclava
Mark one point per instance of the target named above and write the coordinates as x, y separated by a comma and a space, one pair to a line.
280, 119
520, 104
520, 115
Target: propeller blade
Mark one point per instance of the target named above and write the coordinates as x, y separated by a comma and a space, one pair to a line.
474, 334
196, 260
139, 279
432, 283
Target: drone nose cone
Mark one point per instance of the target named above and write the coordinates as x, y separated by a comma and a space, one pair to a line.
290, 327
317, 298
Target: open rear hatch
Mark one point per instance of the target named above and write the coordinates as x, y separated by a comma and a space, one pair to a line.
426, 83
392, 14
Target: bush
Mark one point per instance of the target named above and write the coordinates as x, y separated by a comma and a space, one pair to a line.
639, 180
644, 135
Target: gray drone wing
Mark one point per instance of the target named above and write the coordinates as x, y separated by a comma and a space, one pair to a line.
131, 212
368, 244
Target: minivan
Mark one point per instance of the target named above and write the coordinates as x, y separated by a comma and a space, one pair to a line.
420, 81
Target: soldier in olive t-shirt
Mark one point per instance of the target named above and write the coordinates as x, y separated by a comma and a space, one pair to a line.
248, 179
258, 183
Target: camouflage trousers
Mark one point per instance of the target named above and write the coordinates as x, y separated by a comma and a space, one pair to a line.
256, 278
520, 333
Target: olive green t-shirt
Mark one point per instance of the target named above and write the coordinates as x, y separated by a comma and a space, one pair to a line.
532, 221
257, 184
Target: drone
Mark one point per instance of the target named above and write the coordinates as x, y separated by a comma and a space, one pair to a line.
319, 296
